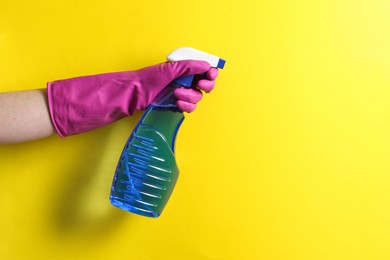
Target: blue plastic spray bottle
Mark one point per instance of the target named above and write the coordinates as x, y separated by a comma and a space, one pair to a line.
147, 172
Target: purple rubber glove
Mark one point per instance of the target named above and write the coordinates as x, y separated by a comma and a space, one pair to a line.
85, 103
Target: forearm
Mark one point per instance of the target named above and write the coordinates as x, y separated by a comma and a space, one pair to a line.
24, 116
82, 104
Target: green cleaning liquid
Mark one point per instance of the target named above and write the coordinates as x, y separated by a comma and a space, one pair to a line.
147, 171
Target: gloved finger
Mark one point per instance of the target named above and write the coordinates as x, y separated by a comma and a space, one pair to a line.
212, 73
186, 106
206, 85
188, 94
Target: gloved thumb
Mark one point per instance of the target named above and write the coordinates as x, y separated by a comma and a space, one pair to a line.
182, 68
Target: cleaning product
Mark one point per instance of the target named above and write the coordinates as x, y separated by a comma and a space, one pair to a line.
147, 172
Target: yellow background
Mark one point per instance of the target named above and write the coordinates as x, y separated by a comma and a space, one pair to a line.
287, 159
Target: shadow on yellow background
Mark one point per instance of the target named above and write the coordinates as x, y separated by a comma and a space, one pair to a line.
80, 203
288, 158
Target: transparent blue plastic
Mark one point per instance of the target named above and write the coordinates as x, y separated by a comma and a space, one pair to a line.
147, 172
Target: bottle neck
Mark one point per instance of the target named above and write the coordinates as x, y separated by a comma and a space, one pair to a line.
163, 114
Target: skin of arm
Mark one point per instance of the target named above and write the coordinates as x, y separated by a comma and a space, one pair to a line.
24, 116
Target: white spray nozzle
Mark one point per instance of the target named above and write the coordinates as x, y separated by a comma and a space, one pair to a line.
186, 53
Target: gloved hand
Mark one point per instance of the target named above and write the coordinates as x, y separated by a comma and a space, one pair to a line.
84, 103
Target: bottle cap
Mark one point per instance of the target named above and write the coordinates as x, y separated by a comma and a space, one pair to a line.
187, 53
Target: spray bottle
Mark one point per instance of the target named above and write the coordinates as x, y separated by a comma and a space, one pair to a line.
147, 172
